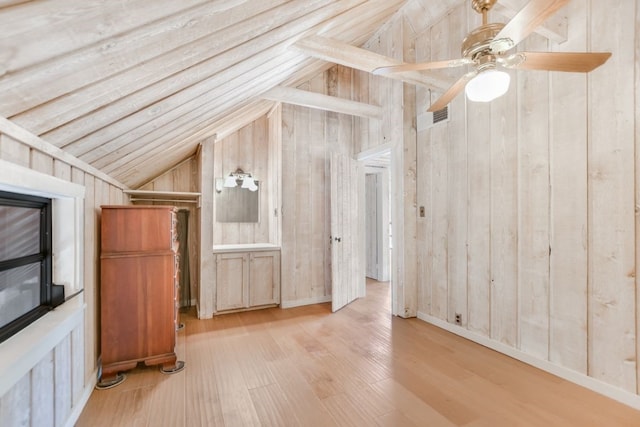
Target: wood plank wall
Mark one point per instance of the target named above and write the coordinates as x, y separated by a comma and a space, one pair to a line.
308, 138
397, 130
530, 231
52, 391
247, 149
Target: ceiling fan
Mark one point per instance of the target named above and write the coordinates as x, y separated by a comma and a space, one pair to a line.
486, 47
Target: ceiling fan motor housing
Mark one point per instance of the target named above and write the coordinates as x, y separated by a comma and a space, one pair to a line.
479, 41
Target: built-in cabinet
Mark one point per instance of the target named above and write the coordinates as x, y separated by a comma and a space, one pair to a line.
240, 254
247, 279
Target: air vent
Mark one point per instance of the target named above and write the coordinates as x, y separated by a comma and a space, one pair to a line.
441, 115
428, 120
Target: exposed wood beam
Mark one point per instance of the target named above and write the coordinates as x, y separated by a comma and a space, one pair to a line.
554, 28
361, 59
320, 101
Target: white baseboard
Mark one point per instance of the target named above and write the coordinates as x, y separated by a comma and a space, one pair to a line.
305, 301
591, 383
82, 402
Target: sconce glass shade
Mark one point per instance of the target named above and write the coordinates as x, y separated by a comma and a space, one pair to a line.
487, 86
249, 183
219, 185
230, 181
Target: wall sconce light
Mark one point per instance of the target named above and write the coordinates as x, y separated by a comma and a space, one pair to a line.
241, 178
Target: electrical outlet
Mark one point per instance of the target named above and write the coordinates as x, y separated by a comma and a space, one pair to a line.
458, 319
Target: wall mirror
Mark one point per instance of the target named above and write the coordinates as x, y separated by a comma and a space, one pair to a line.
237, 204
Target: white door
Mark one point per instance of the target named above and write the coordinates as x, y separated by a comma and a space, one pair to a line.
347, 231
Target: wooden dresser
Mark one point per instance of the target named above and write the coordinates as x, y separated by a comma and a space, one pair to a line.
138, 289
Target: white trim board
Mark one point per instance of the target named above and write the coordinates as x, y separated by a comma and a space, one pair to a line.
25, 137
21, 352
375, 151
76, 411
592, 384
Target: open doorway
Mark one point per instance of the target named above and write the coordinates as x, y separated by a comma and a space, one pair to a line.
377, 224
378, 235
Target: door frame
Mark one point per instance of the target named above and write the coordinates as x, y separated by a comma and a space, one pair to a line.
395, 268
383, 218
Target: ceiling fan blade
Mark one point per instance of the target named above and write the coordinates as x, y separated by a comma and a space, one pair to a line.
528, 19
382, 71
577, 62
452, 92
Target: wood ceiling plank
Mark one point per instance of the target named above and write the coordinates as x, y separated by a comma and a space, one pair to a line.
177, 137
10, 3
132, 119
319, 101
144, 142
145, 86
110, 94
183, 108
79, 103
71, 25
159, 162
14, 131
361, 59
192, 121
360, 17
24, 90
230, 123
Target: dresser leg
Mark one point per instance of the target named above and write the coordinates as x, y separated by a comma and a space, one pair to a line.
110, 381
172, 368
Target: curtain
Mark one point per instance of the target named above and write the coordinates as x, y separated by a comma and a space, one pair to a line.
183, 250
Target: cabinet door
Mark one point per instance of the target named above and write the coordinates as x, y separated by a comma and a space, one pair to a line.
138, 300
265, 278
232, 281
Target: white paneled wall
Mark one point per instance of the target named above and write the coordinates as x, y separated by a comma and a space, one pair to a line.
530, 230
53, 389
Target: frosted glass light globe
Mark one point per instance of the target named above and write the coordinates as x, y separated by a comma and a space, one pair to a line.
487, 86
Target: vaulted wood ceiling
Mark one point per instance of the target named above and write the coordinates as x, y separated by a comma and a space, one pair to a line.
132, 86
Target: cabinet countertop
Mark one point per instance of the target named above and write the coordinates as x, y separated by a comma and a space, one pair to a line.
246, 247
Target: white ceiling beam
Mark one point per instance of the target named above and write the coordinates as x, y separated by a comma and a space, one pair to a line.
554, 28
361, 59
320, 101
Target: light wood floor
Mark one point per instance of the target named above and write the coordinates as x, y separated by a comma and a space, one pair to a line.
358, 367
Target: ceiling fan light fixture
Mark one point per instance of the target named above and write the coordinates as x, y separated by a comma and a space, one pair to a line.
487, 86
